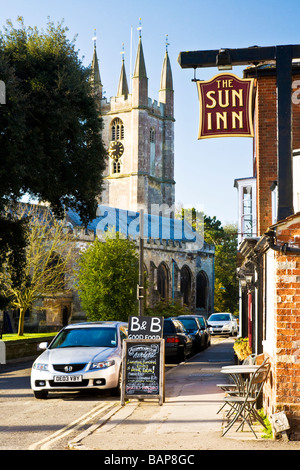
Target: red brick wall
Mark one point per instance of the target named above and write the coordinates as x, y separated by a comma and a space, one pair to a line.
282, 392
265, 145
266, 149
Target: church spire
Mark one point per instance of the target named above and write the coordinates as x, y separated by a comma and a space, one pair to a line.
139, 79
95, 72
166, 91
123, 85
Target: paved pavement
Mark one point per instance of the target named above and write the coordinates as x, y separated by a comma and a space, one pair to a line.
187, 421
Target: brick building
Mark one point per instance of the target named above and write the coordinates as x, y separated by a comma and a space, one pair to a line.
269, 254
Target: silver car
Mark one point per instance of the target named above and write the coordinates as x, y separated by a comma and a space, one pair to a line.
81, 356
223, 324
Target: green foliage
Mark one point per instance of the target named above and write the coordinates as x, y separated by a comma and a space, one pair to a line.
167, 308
49, 249
268, 431
242, 348
13, 242
50, 124
226, 283
107, 278
224, 239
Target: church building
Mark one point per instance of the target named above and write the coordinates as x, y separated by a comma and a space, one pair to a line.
138, 133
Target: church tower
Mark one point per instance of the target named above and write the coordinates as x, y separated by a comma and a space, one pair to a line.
139, 135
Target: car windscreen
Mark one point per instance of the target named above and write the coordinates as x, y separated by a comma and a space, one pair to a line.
220, 317
189, 323
86, 337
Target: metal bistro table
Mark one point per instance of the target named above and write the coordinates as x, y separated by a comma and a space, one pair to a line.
240, 374
249, 380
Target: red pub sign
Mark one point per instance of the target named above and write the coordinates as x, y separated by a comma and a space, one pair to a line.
225, 106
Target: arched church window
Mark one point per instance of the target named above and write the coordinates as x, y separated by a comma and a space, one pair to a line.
201, 289
116, 167
117, 129
152, 151
152, 135
186, 285
163, 281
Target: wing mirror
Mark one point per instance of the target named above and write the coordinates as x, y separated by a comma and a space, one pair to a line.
42, 346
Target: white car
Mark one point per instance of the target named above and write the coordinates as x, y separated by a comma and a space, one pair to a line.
81, 356
223, 324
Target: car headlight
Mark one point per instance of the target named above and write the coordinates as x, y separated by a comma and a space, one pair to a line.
227, 325
101, 365
40, 366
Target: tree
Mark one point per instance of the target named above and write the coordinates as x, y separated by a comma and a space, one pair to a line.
224, 239
50, 130
107, 278
226, 283
52, 146
47, 261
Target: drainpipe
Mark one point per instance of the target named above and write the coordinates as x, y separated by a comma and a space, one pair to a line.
284, 248
173, 279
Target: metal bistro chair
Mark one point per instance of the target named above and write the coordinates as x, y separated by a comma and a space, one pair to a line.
232, 388
244, 406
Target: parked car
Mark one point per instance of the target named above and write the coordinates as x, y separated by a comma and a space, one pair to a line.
193, 327
205, 328
223, 324
178, 342
81, 356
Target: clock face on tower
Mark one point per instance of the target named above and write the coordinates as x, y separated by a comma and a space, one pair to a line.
115, 150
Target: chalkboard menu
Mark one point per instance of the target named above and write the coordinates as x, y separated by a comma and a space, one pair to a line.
143, 369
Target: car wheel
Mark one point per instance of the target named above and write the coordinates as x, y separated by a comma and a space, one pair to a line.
40, 394
117, 391
182, 355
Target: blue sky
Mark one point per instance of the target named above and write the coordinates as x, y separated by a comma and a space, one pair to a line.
204, 169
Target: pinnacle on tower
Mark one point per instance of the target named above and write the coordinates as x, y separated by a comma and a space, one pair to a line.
139, 79
140, 68
123, 85
95, 73
166, 91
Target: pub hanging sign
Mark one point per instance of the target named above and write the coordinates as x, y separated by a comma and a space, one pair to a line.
225, 106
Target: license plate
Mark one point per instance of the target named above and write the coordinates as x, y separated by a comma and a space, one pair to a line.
68, 378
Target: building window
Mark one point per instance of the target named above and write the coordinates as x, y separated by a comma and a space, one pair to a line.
201, 289
117, 133
247, 211
270, 292
116, 167
186, 285
152, 151
296, 180
117, 129
152, 135
163, 281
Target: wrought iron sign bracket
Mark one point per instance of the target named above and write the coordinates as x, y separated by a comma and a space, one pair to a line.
282, 56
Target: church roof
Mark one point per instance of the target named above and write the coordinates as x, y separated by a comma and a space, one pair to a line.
127, 223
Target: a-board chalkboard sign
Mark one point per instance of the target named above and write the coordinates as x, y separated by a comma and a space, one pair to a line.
143, 369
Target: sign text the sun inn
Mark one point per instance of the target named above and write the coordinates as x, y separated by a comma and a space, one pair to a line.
225, 106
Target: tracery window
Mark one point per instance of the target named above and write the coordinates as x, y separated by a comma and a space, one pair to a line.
117, 129
152, 151
116, 134
116, 167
